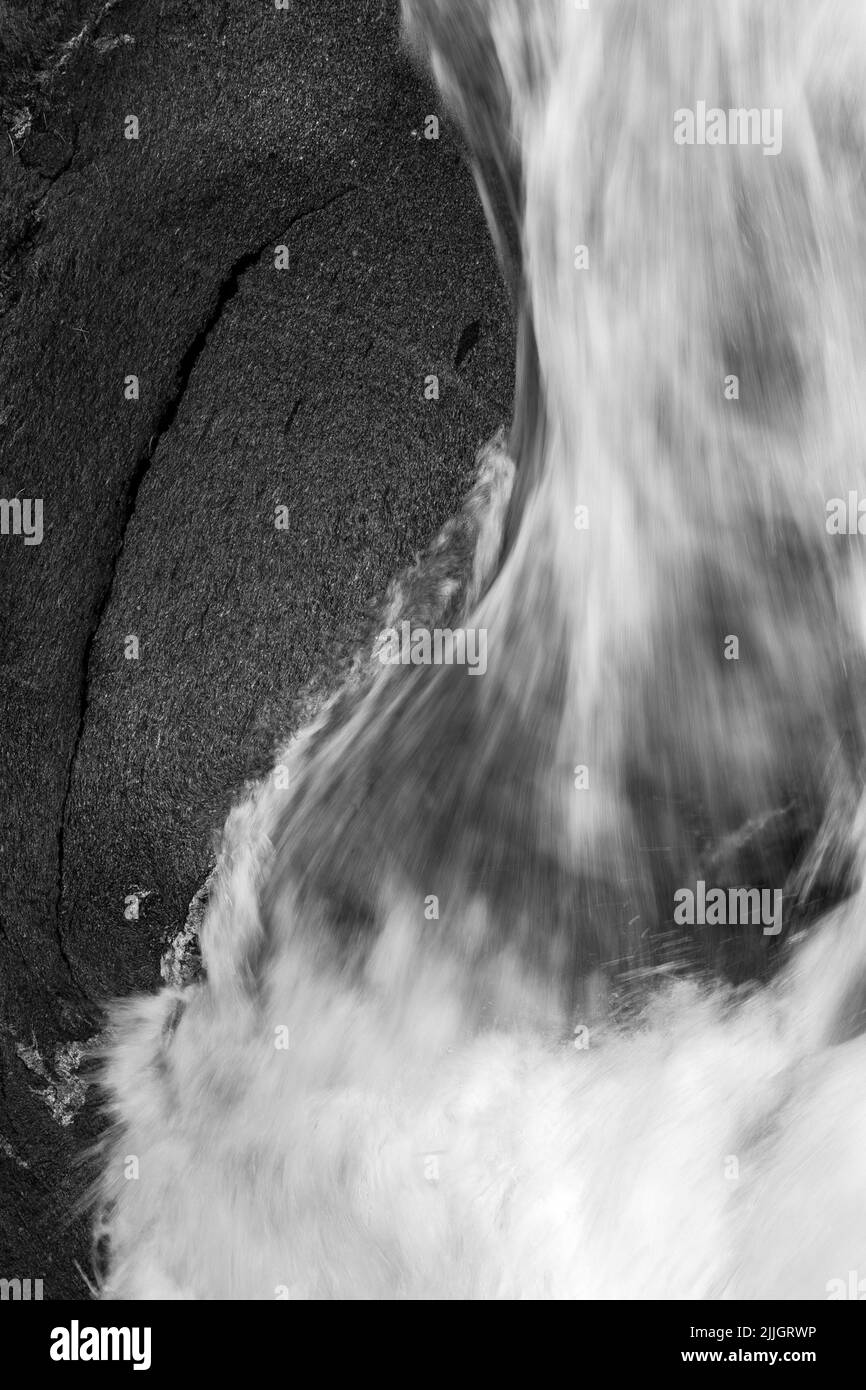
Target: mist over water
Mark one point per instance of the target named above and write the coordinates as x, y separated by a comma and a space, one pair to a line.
509, 1070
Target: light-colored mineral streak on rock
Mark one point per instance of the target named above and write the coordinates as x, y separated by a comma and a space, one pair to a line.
180, 962
9, 1151
63, 1090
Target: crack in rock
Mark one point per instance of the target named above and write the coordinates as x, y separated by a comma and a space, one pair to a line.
226, 292
468, 340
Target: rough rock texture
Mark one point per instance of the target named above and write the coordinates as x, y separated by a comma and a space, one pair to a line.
260, 388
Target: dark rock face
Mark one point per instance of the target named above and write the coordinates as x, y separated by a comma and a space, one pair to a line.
294, 394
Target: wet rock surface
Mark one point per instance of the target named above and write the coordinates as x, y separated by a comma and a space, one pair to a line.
300, 388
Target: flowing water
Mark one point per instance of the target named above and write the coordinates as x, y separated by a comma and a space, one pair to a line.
458, 1035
